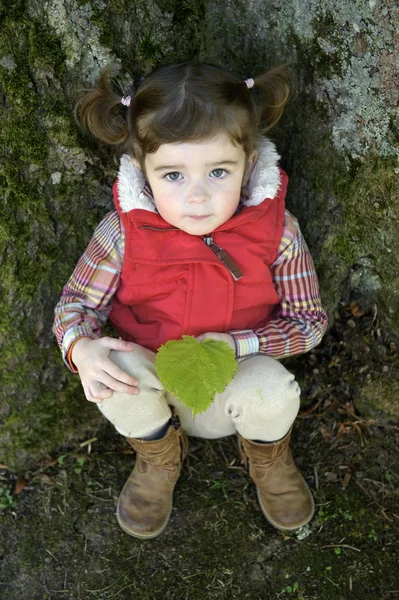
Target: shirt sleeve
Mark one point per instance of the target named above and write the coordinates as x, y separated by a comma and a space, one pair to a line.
85, 301
301, 321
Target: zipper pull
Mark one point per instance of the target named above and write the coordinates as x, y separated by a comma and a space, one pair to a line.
224, 257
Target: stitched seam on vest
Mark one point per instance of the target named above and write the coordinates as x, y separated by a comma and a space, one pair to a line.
157, 228
230, 305
189, 298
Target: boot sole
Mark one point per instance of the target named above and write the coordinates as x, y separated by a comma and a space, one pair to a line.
284, 527
138, 534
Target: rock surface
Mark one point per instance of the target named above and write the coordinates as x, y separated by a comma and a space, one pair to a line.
338, 139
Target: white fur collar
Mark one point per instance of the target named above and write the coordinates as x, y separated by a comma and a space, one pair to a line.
264, 180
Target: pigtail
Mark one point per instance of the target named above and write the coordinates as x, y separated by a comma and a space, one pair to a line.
96, 111
275, 85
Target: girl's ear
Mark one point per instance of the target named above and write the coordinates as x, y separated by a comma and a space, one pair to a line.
253, 157
251, 161
136, 163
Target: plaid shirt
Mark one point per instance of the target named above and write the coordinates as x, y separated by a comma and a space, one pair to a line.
86, 299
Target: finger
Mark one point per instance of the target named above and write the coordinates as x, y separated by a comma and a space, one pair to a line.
115, 344
117, 373
117, 386
96, 400
204, 336
208, 336
100, 391
89, 395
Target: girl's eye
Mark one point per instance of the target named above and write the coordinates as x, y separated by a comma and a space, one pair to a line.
218, 173
172, 176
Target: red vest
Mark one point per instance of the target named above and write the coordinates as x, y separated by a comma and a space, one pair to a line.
172, 284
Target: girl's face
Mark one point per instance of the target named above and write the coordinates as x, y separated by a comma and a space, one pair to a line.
196, 186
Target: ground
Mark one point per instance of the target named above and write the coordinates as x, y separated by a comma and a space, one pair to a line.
60, 540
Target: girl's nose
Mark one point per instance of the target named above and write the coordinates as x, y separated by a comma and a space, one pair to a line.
198, 194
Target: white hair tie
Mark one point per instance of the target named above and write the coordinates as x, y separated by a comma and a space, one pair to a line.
126, 100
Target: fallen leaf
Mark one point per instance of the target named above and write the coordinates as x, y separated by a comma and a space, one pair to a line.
46, 479
341, 429
19, 486
346, 479
326, 435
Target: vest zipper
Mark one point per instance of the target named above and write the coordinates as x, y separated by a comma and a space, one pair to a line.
220, 253
158, 228
224, 257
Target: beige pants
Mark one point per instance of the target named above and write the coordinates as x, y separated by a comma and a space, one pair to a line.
260, 403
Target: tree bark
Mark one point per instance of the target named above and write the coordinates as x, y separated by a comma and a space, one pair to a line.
338, 139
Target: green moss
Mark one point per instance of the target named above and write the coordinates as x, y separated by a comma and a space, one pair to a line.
313, 57
56, 417
17, 82
368, 224
370, 206
380, 396
45, 50
348, 211
344, 520
155, 44
148, 50
21, 131
38, 415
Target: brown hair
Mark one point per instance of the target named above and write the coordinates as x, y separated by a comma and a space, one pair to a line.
185, 102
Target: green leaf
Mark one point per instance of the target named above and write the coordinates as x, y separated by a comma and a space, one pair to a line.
78, 470
337, 550
288, 589
61, 460
295, 586
7, 499
194, 371
80, 461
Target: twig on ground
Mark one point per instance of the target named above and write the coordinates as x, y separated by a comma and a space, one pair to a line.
316, 478
339, 546
223, 454
87, 442
303, 413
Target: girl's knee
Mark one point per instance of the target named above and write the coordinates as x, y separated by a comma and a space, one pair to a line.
138, 363
262, 389
265, 377
137, 416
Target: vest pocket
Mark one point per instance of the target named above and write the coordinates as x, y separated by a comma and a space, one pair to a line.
156, 300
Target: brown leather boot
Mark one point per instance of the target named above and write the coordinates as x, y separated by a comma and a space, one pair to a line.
284, 497
145, 502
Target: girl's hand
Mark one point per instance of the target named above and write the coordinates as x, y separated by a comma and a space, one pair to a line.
100, 377
219, 337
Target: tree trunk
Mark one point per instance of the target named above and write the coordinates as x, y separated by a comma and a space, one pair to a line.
338, 140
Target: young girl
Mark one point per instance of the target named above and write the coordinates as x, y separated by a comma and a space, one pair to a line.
199, 244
